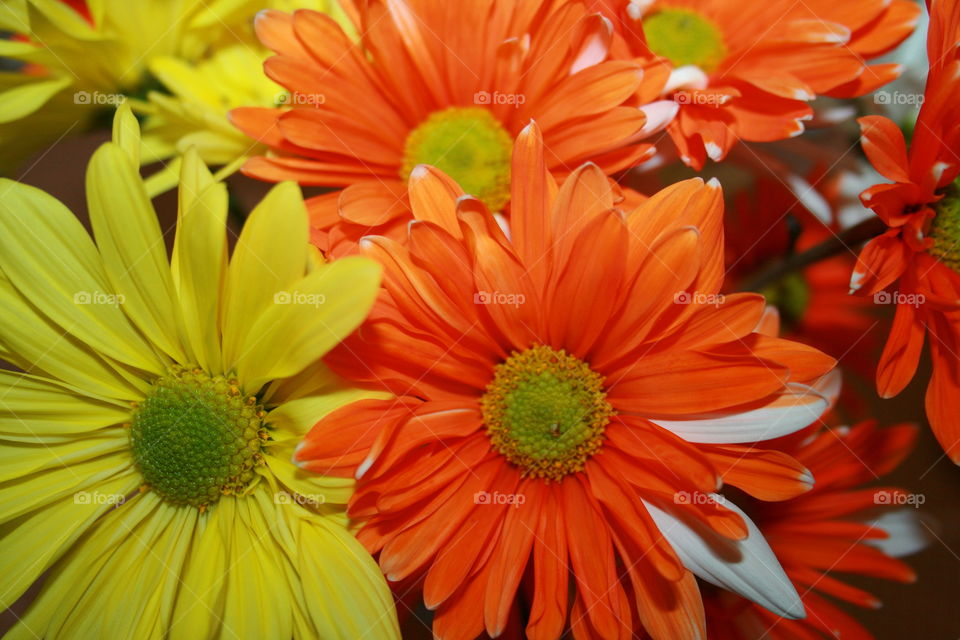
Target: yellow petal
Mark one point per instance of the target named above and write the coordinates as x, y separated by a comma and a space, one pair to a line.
200, 258
20, 459
36, 344
270, 254
307, 319
134, 255
49, 257
126, 132
21, 101
258, 597
347, 595
38, 540
31, 405
32, 492
68, 605
198, 609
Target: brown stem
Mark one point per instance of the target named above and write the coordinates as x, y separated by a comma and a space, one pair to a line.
844, 241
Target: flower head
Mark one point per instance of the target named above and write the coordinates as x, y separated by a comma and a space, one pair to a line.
839, 527
435, 90
80, 59
564, 391
920, 251
748, 72
147, 442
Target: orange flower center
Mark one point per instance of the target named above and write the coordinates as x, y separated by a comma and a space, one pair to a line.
469, 145
545, 411
945, 228
196, 437
685, 37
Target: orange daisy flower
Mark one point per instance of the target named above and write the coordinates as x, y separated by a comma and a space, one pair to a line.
563, 395
747, 70
448, 84
839, 527
920, 251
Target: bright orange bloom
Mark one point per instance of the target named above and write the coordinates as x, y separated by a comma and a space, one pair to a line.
564, 397
839, 527
920, 251
444, 83
747, 70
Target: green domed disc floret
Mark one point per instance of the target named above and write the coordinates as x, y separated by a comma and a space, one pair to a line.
545, 411
196, 437
945, 228
685, 37
469, 145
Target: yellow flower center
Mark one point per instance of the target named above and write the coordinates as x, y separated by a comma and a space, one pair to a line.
685, 37
470, 146
945, 228
790, 295
196, 437
545, 411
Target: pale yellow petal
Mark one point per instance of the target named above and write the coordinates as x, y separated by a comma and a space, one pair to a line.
67, 606
198, 607
50, 259
33, 405
20, 459
132, 245
270, 254
126, 132
28, 493
256, 607
21, 101
347, 595
306, 320
34, 343
35, 541
200, 259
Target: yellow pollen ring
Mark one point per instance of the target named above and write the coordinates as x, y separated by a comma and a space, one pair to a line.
546, 411
468, 144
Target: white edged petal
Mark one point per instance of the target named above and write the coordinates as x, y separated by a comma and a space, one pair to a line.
796, 407
905, 530
747, 567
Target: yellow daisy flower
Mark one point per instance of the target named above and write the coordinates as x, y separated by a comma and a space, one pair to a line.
79, 59
192, 109
145, 449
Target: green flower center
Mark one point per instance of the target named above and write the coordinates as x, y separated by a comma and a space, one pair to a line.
790, 295
945, 228
685, 37
469, 145
545, 411
196, 437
